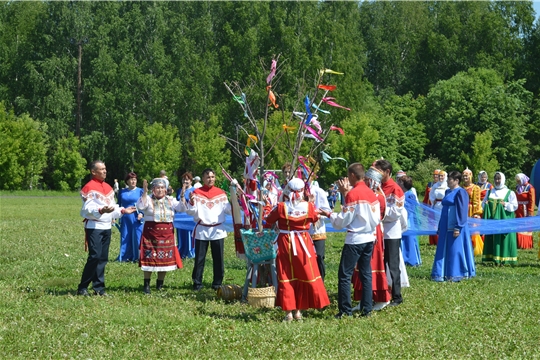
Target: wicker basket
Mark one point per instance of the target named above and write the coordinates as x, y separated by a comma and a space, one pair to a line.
229, 292
262, 297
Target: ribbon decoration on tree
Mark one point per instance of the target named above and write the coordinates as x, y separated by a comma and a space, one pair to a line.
315, 122
313, 134
329, 71
251, 138
310, 115
327, 87
340, 130
271, 96
330, 101
242, 101
327, 158
319, 109
272, 71
287, 128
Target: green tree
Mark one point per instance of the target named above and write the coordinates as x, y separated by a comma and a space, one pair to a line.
159, 149
69, 167
24, 148
473, 102
206, 148
481, 157
422, 173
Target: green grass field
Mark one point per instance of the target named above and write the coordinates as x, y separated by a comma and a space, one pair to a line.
495, 315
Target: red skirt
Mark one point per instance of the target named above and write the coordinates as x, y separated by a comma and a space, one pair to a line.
379, 282
300, 284
158, 251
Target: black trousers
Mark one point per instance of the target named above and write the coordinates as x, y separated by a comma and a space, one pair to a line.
351, 255
320, 249
98, 256
391, 258
201, 248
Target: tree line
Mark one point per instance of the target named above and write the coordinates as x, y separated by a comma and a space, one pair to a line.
429, 84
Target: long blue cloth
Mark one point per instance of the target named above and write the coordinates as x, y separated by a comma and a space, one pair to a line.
423, 221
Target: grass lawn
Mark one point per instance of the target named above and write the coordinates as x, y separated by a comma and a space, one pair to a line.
495, 315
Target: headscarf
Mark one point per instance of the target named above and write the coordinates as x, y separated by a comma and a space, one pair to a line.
296, 187
480, 177
523, 181
503, 181
157, 182
375, 175
467, 171
400, 173
443, 184
436, 172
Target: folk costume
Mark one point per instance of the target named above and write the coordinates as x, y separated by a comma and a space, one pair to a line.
500, 248
130, 227
381, 295
395, 204
360, 215
158, 252
484, 186
95, 195
186, 242
409, 243
525, 193
208, 207
300, 285
435, 198
432, 238
454, 257
474, 210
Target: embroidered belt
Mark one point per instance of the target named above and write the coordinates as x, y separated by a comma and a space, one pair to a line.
292, 234
200, 223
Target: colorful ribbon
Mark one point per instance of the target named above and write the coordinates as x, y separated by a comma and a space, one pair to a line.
288, 128
340, 130
272, 72
329, 101
327, 87
271, 97
329, 71
319, 109
313, 133
308, 111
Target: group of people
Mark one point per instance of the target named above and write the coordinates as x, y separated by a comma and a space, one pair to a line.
372, 212
456, 246
157, 250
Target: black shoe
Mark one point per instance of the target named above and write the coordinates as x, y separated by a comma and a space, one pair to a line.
197, 287
159, 284
102, 293
395, 303
216, 287
83, 292
341, 315
365, 314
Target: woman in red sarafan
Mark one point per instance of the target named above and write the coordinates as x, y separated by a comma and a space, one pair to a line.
381, 295
300, 285
525, 194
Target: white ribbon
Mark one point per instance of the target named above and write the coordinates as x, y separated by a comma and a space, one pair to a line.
300, 239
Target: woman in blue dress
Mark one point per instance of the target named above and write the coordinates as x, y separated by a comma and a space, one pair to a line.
131, 225
454, 258
186, 244
409, 243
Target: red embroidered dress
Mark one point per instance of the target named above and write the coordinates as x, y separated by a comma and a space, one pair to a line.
378, 270
525, 208
300, 284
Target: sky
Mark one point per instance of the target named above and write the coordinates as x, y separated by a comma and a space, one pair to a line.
536, 6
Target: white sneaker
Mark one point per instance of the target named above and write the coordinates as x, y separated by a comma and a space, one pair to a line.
356, 308
380, 305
